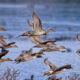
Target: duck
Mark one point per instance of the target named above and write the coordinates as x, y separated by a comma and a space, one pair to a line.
5, 44
54, 69
52, 48
45, 44
37, 27
36, 31
27, 55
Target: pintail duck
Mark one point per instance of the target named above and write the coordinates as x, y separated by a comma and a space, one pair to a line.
27, 55
45, 44
54, 69
52, 48
7, 45
37, 30
37, 27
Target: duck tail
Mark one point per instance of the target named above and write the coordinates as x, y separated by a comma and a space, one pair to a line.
50, 30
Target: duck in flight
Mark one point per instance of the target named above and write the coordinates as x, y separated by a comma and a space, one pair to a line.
37, 30
45, 44
54, 69
37, 27
28, 55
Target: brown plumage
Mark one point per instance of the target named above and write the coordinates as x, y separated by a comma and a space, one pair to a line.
24, 56
35, 39
27, 55
54, 69
30, 23
45, 44
52, 48
36, 29
1, 37
7, 45
38, 54
2, 29
7, 59
3, 52
38, 25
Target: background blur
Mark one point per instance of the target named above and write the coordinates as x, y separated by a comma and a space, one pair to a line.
61, 15
37, 1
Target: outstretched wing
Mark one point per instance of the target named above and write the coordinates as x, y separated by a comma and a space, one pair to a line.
11, 43
53, 67
60, 69
35, 39
3, 42
30, 23
47, 42
37, 22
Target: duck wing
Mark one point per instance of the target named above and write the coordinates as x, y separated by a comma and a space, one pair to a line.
3, 54
30, 23
11, 43
23, 55
37, 23
35, 39
60, 69
47, 42
53, 67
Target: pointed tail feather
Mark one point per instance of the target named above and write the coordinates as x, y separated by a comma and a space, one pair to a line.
50, 30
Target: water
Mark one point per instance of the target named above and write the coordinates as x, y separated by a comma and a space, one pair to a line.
66, 18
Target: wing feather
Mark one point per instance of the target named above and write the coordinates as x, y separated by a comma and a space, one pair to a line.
37, 22
53, 67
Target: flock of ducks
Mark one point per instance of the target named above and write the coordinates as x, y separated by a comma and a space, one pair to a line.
34, 36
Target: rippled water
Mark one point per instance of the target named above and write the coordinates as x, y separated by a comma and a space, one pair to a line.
63, 17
